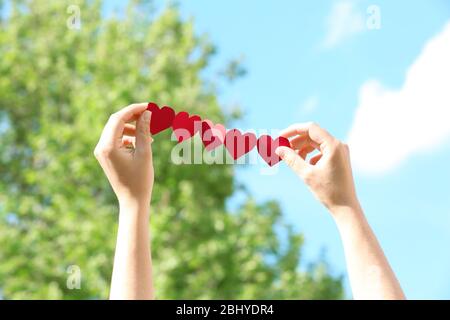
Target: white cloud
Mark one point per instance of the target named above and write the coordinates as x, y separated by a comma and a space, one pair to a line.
344, 21
309, 105
391, 125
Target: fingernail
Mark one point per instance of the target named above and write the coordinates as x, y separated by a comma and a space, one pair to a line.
146, 115
280, 152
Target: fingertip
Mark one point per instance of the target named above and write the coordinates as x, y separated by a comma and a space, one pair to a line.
278, 151
147, 115
144, 120
286, 133
281, 151
143, 125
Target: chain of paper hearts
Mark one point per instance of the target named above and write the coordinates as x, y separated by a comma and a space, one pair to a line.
214, 135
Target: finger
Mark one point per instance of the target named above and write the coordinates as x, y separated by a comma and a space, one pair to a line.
315, 159
292, 159
143, 136
113, 131
130, 113
299, 141
133, 118
129, 130
133, 111
305, 150
295, 129
128, 141
316, 133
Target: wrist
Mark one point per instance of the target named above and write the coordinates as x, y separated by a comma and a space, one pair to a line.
342, 214
134, 207
134, 199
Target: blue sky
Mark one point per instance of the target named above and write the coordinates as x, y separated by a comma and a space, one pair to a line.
381, 90
308, 61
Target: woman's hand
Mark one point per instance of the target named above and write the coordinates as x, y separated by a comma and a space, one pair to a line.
328, 174
125, 154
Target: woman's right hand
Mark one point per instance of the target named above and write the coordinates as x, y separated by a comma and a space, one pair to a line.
328, 174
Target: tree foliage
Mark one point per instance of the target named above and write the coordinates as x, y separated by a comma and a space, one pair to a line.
58, 86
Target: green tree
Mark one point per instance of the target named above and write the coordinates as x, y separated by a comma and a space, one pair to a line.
58, 85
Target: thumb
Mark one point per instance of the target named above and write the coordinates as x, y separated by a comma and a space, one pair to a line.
143, 137
292, 159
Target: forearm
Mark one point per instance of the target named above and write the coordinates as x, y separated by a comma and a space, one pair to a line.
132, 272
370, 274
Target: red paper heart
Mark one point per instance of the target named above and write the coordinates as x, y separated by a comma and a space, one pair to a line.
239, 144
162, 119
212, 135
185, 126
266, 148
